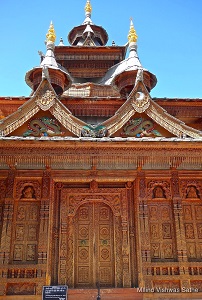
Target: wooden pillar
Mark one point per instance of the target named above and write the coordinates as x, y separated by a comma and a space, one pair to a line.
144, 236
125, 243
179, 225
44, 217
132, 232
53, 251
7, 218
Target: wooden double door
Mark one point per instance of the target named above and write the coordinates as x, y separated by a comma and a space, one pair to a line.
94, 256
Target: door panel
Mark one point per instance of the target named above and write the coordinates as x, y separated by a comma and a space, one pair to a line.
94, 246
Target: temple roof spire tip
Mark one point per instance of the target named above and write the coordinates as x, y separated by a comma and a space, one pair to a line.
88, 7
51, 35
132, 35
88, 10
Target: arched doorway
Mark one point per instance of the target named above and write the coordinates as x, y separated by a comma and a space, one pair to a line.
93, 250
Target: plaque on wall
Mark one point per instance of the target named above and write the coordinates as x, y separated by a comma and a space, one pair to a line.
58, 292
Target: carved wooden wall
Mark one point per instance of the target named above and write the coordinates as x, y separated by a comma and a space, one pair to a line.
174, 209
192, 214
25, 229
146, 233
161, 221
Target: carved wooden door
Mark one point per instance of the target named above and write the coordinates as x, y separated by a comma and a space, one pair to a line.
94, 246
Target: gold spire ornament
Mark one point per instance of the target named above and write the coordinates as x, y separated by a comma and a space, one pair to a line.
51, 36
132, 35
88, 7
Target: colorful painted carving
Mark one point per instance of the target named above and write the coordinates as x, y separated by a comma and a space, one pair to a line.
44, 126
139, 128
95, 132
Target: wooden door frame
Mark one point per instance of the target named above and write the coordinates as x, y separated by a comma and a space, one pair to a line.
69, 201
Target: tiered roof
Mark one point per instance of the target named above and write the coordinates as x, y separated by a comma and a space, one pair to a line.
89, 89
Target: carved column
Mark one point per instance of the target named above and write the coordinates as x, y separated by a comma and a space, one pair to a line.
144, 237
133, 248
125, 244
7, 218
63, 261
53, 251
44, 217
2, 200
179, 225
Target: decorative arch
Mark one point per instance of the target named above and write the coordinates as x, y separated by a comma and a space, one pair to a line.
152, 187
21, 185
75, 201
185, 188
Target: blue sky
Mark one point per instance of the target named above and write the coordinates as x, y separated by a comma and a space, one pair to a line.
169, 38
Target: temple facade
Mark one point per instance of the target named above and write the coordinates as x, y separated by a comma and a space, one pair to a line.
101, 184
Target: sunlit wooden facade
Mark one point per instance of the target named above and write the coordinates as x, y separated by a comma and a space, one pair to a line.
100, 183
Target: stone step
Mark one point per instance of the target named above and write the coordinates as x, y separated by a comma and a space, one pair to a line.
105, 294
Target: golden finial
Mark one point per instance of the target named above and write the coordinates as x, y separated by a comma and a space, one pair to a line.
88, 7
51, 36
132, 35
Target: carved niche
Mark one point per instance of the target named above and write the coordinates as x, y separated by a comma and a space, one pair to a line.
28, 190
191, 189
158, 190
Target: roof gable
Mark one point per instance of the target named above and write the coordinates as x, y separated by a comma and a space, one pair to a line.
44, 99
140, 101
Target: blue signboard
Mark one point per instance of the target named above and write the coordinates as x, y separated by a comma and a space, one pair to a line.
58, 292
